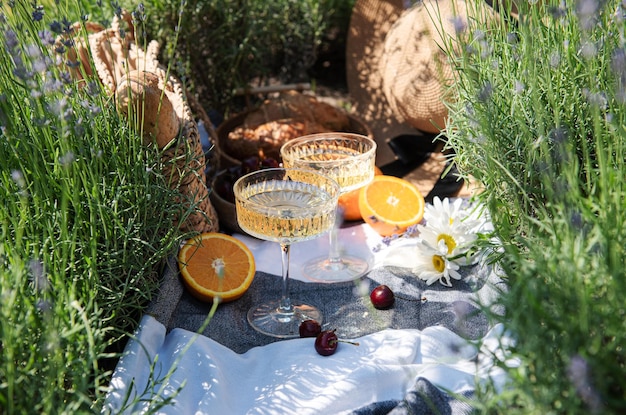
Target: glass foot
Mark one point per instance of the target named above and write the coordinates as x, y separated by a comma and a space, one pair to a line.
270, 320
347, 268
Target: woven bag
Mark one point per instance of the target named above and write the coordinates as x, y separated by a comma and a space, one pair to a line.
115, 55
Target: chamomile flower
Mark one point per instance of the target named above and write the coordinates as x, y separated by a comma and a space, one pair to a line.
444, 213
446, 239
434, 265
454, 238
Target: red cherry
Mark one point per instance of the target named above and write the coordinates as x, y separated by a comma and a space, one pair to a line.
269, 162
310, 328
382, 297
224, 188
250, 164
326, 342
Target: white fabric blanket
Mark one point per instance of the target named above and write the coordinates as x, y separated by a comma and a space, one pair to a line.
289, 377
358, 240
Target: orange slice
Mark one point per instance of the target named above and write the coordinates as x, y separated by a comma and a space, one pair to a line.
350, 202
216, 265
390, 205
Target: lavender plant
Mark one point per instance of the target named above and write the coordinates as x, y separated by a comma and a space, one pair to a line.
85, 219
540, 120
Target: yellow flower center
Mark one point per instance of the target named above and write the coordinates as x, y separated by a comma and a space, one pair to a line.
439, 263
449, 240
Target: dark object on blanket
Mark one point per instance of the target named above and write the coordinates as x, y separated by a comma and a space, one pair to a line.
420, 160
423, 398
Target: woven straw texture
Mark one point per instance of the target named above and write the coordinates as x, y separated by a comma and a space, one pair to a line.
415, 68
369, 24
183, 162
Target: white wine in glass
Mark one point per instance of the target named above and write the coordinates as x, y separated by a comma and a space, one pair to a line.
349, 159
285, 205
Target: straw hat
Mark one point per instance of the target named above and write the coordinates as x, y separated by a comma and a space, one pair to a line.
414, 65
369, 24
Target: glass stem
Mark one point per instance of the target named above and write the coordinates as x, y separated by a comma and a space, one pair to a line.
334, 258
285, 302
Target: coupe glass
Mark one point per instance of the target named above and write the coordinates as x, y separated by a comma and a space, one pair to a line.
349, 159
285, 205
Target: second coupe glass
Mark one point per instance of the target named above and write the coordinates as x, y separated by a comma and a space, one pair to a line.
349, 159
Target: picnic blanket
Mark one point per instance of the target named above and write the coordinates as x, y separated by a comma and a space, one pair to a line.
424, 355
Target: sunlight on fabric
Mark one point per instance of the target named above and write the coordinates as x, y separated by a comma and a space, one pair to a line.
289, 376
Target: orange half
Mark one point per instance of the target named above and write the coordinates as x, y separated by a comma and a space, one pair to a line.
215, 265
349, 202
390, 205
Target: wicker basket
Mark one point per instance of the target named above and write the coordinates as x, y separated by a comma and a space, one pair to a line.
226, 211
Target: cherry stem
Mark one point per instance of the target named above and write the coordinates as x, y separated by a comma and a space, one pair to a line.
343, 341
331, 342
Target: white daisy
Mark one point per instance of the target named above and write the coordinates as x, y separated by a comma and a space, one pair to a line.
433, 264
443, 213
456, 239
476, 219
